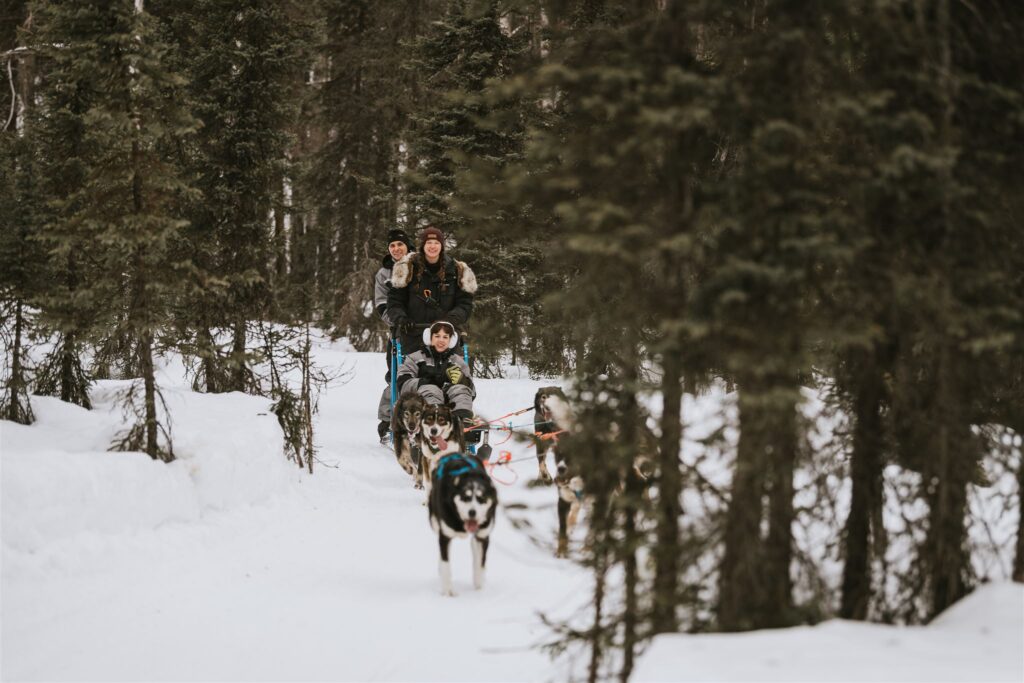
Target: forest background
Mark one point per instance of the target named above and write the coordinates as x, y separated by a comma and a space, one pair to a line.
778, 197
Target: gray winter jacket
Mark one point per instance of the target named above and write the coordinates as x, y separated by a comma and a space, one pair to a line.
381, 285
428, 367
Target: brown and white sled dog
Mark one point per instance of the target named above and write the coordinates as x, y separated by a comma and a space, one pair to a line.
551, 415
440, 434
555, 415
405, 430
462, 504
550, 408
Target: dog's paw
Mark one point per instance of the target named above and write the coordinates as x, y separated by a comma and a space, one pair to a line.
448, 592
418, 486
563, 548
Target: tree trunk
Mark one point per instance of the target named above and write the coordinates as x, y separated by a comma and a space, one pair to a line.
597, 633
945, 551
1018, 561
670, 484
280, 245
18, 407
631, 616
73, 387
149, 382
740, 591
778, 551
238, 366
866, 480
948, 557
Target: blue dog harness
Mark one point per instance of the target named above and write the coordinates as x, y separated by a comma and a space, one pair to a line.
459, 462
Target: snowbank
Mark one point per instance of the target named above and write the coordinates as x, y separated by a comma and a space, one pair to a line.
981, 638
58, 480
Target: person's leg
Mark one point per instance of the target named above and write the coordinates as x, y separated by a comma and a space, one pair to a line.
431, 394
461, 398
384, 405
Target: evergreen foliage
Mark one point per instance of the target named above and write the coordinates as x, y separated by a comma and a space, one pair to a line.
242, 63
354, 147
125, 189
23, 269
769, 197
461, 138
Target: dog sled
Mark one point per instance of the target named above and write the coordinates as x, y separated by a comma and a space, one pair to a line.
476, 439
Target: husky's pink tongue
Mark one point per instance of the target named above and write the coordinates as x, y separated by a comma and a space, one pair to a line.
471, 525
440, 442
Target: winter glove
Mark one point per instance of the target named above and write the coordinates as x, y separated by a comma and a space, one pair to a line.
402, 327
454, 374
429, 374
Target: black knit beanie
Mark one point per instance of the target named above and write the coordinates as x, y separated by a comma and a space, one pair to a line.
398, 235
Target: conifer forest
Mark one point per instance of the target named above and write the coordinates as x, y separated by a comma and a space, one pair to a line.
791, 200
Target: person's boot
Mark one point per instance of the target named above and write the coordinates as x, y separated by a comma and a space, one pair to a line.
467, 421
382, 431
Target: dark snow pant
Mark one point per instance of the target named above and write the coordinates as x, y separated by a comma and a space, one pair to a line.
384, 406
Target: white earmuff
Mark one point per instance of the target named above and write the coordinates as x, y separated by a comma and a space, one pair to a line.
452, 343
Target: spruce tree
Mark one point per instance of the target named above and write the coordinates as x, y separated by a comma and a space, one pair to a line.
349, 191
622, 163
22, 260
73, 306
242, 64
458, 129
23, 268
129, 124
757, 299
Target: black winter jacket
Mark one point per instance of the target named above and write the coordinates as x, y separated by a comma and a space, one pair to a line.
418, 295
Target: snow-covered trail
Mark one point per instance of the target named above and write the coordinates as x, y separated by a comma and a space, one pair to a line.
334, 579
230, 564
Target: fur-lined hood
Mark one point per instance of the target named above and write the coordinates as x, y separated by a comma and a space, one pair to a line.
401, 274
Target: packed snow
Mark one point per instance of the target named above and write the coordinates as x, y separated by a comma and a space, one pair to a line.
232, 564
979, 639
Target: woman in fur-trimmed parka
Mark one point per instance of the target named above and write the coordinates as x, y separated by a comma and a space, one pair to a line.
429, 285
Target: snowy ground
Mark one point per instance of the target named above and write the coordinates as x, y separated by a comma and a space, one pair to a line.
229, 564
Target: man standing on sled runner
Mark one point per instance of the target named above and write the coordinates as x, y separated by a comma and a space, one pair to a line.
438, 373
399, 245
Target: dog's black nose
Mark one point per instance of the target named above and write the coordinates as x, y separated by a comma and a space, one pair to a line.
472, 514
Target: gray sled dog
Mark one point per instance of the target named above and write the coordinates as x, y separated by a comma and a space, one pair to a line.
405, 430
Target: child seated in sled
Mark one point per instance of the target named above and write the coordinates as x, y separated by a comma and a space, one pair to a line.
439, 374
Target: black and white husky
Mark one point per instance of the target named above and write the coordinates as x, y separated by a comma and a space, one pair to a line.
440, 434
463, 502
405, 430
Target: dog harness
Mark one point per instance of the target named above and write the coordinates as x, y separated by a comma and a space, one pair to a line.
457, 463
